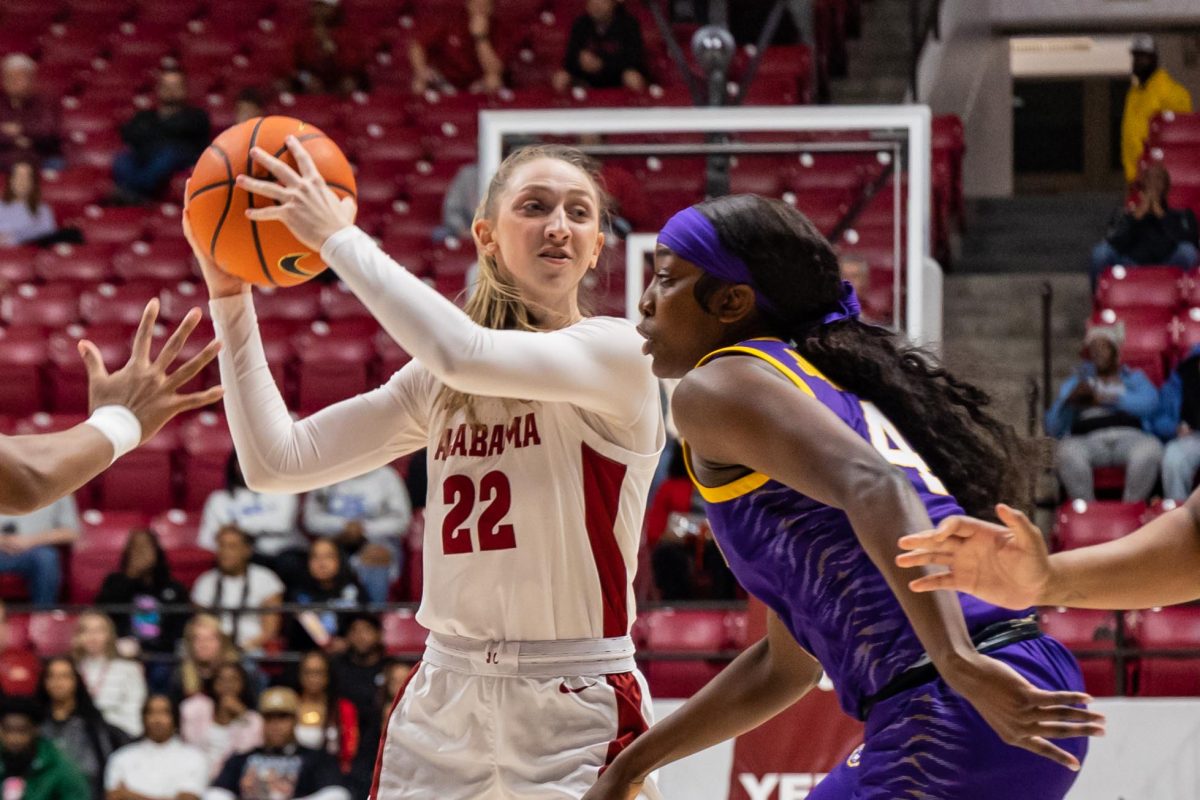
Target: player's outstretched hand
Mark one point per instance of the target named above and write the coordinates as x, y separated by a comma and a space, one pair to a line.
219, 282
1022, 714
305, 203
610, 786
1006, 565
144, 385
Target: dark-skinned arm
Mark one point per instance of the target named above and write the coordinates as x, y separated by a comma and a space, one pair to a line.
1156, 565
739, 411
769, 676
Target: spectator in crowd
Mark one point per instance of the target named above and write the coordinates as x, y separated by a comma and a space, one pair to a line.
459, 204
74, 724
29, 547
454, 51
327, 720
328, 585
222, 722
359, 668
29, 123
206, 647
143, 579
159, 766
604, 50
395, 675
1103, 417
1149, 231
236, 584
857, 271
29, 761
117, 685
368, 517
1152, 92
249, 104
329, 57
160, 141
1178, 422
19, 664
281, 769
271, 520
24, 218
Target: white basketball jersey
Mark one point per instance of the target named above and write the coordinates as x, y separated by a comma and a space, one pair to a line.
532, 524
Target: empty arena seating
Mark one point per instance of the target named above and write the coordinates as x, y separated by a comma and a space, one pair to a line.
1080, 524
1158, 632
685, 644
1092, 636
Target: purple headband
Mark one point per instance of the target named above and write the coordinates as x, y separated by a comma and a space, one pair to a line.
692, 237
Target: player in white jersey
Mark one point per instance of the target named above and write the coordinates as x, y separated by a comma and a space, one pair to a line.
127, 408
543, 429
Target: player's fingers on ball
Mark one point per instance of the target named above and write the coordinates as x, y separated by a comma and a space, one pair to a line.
1042, 747
267, 213
282, 172
269, 189
177, 339
304, 160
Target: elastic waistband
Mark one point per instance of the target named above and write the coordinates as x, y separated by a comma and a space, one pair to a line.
993, 637
546, 659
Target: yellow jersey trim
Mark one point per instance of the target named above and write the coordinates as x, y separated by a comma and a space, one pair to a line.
726, 492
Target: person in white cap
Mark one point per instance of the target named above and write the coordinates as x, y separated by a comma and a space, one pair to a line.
1103, 416
1153, 91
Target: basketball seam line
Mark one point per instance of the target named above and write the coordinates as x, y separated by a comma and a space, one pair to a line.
262, 261
212, 250
210, 187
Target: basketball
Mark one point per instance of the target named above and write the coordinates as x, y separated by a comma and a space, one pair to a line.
261, 253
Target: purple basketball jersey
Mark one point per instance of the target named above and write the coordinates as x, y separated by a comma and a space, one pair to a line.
803, 560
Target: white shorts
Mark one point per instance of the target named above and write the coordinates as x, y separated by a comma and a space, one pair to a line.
511, 720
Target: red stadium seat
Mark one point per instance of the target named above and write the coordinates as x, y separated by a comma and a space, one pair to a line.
1087, 631
1168, 629
391, 356
206, 445
177, 528
1131, 287
19, 671
1187, 329
51, 632
86, 263
107, 304
296, 304
116, 226
23, 354
333, 364
51, 307
106, 531
142, 479
176, 301
162, 262
1169, 128
1080, 524
678, 632
75, 187
68, 378
338, 302
16, 264
403, 636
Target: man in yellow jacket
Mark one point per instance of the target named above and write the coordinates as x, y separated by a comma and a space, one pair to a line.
1153, 91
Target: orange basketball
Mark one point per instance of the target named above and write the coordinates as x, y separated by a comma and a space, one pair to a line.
262, 253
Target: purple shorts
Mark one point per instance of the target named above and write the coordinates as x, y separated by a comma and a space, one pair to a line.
929, 743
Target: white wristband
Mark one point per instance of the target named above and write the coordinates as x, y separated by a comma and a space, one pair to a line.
119, 425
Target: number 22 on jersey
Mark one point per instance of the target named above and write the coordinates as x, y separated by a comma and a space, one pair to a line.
887, 439
495, 494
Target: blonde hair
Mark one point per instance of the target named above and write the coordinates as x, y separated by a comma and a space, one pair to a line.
189, 671
495, 302
110, 647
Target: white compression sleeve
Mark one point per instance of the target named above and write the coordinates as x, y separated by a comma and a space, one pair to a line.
596, 364
278, 454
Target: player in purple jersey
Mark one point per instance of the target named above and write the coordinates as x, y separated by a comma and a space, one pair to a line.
816, 442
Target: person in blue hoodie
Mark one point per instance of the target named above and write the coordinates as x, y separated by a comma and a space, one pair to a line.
1104, 416
1178, 422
